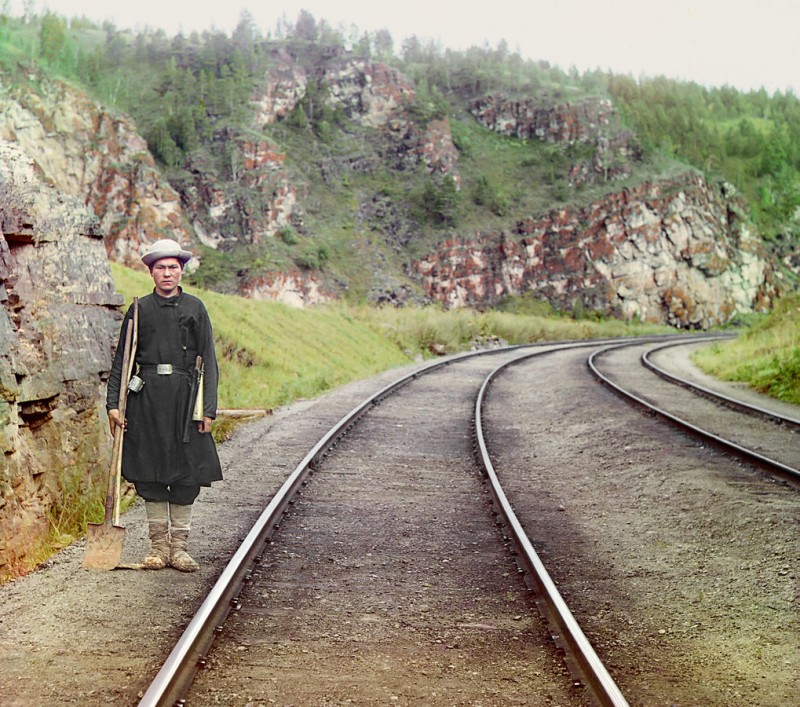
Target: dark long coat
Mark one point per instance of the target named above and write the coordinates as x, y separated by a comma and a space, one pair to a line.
174, 331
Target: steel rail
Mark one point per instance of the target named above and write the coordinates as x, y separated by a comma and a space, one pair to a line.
582, 659
173, 680
735, 403
189, 654
749, 455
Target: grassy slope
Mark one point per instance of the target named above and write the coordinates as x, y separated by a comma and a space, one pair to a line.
271, 354
766, 357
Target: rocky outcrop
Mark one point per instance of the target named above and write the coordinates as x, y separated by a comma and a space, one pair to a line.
569, 123
677, 252
59, 320
295, 288
370, 93
99, 157
254, 204
430, 144
283, 87
590, 122
367, 92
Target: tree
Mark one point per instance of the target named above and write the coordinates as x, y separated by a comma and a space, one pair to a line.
162, 145
52, 37
306, 26
245, 41
439, 201
384, 44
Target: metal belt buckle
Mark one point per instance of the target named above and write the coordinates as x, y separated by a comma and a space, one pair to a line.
164, 369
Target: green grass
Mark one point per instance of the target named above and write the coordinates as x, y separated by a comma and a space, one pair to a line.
271, 354
431, 329
766, 357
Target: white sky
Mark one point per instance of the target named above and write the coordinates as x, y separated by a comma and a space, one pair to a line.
742, 43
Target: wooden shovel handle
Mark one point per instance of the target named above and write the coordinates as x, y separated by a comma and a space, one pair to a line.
118, 430
127, 372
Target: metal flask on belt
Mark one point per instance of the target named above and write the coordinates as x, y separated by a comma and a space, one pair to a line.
135, 384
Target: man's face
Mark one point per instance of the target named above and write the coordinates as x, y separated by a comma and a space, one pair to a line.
166, 273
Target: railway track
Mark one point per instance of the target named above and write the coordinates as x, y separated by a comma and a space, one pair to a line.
329, 592
757, 434
679, 562
745, 401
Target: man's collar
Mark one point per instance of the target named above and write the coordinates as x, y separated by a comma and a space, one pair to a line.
168, 301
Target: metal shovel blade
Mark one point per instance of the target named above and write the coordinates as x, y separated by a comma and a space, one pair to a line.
103, 546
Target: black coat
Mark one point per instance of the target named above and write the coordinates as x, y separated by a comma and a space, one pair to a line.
174, 331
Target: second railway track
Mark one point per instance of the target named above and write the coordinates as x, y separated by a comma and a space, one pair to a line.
679, 562
741, 427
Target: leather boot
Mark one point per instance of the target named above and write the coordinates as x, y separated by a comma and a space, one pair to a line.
181, 519
158, 528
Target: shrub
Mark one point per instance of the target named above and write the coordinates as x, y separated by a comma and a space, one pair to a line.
288, 235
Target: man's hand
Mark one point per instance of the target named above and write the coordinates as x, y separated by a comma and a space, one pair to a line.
114, 421
204, 425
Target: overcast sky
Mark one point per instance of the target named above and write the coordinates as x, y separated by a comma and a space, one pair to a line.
743, 43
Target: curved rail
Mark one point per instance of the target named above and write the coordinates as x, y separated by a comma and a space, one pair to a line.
727, 445
735, 403
583, 661
188, 656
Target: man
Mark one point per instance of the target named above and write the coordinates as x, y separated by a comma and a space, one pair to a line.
167, 472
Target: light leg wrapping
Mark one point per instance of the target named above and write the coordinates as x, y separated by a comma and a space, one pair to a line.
158, 556
181, 519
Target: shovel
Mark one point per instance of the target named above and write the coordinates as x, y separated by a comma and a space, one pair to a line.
124, 407
104, 540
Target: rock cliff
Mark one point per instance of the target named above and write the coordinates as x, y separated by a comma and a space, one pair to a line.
256, 200
295, 288
677, 252
370, 93
90, 153
590, 122
59, 318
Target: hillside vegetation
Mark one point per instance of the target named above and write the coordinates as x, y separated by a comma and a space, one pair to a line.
766, 356
184, 92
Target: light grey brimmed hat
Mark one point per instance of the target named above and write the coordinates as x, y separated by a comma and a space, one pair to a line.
166, 248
